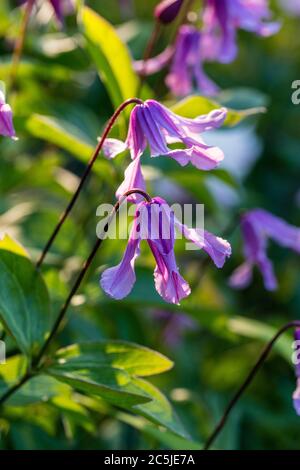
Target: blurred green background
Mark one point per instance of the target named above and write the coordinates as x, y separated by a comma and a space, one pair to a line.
216, 334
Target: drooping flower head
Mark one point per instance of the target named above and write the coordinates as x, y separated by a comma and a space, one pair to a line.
186, 71
152, 124
6, 122
155, 222
222, 19
296, 394
257, 227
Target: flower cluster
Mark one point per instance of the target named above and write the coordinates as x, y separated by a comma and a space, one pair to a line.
215, 41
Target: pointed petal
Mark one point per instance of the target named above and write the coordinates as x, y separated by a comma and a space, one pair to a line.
113, 147
133, 178
118, 281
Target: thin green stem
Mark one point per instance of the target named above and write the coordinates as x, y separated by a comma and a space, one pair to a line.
263, 356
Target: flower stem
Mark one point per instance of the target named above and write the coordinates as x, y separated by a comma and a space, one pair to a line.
263, 356
86, 173
18, 50
148, 53
83, 271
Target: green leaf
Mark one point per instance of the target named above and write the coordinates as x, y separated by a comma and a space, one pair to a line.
39, 388
134, 359
24, 299
105, 369
194, 106
111, 56
68, 137
159, 409
111, 384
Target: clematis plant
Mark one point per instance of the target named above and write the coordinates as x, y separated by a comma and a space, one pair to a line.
6, 117
155, 222
257, 227
153, 124
222, 19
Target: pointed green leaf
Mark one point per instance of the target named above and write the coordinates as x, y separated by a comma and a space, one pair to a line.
24, 299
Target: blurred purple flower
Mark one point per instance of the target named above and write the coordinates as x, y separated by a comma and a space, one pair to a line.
296, 394
174, 326
153, 124
222, 19
187, 65
60, 7
257, 227
6, 121
155, 222
167, 10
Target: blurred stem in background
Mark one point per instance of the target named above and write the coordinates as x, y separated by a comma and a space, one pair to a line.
36, 365
247, 381
86, 173
19, 46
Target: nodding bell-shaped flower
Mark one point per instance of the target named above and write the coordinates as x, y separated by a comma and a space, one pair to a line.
61, 8
222, 19
296, 394
257, 227
6, 120
155, 222
152, 124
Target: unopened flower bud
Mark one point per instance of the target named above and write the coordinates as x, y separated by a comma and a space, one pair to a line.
167, 10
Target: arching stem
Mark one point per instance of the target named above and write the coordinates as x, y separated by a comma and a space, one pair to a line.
247, 381
86, 173
17, 54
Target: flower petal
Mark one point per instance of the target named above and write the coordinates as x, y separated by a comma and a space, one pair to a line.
118, 281
133, 178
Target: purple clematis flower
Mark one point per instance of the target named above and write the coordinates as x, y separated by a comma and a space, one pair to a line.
222, 19
60, 7
153, 124
155, 222
257, 227
187, 65
296, 394
6, 122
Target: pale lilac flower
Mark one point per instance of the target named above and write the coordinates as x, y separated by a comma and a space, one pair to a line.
155, 125
222, 19
292, 7
296, 394
154, 64
167, 10
186, 72
155, 222
6, 121
257, 227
